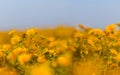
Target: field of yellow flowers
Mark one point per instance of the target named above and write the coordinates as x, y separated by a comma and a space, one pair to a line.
61, 51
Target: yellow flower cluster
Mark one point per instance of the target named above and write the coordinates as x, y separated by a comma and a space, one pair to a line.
59, 50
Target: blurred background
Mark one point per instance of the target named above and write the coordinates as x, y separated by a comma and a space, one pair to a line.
22, 14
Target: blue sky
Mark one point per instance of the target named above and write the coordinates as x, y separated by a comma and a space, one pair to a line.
50, 13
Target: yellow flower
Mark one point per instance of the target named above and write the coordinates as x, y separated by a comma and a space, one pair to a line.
113, 51
18, 50
65, 59
11, 57
31, 31
78, 34
117, 58
86, 52
42, 69
41, 59
51, 44
51, 51
24, 58
1, 54
54, 64
118, 42
6, 47
110, 27
90, 42
71, 48
117, 32
7, 71
12, 32
96, 31
51, 39
15, 39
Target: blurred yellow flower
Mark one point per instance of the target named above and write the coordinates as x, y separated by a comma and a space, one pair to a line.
1, 54
15, 39
110, 27
7, 71
51, 39
24, 58
51, 51
12, 32
62, 47
90, 42
117, 57
43, 69
11, 57
31, 31
41, 59
65, 59
54, 64
51, 44
78, 34
18, 50
71, 48
96, 31
113, 51
6, 47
